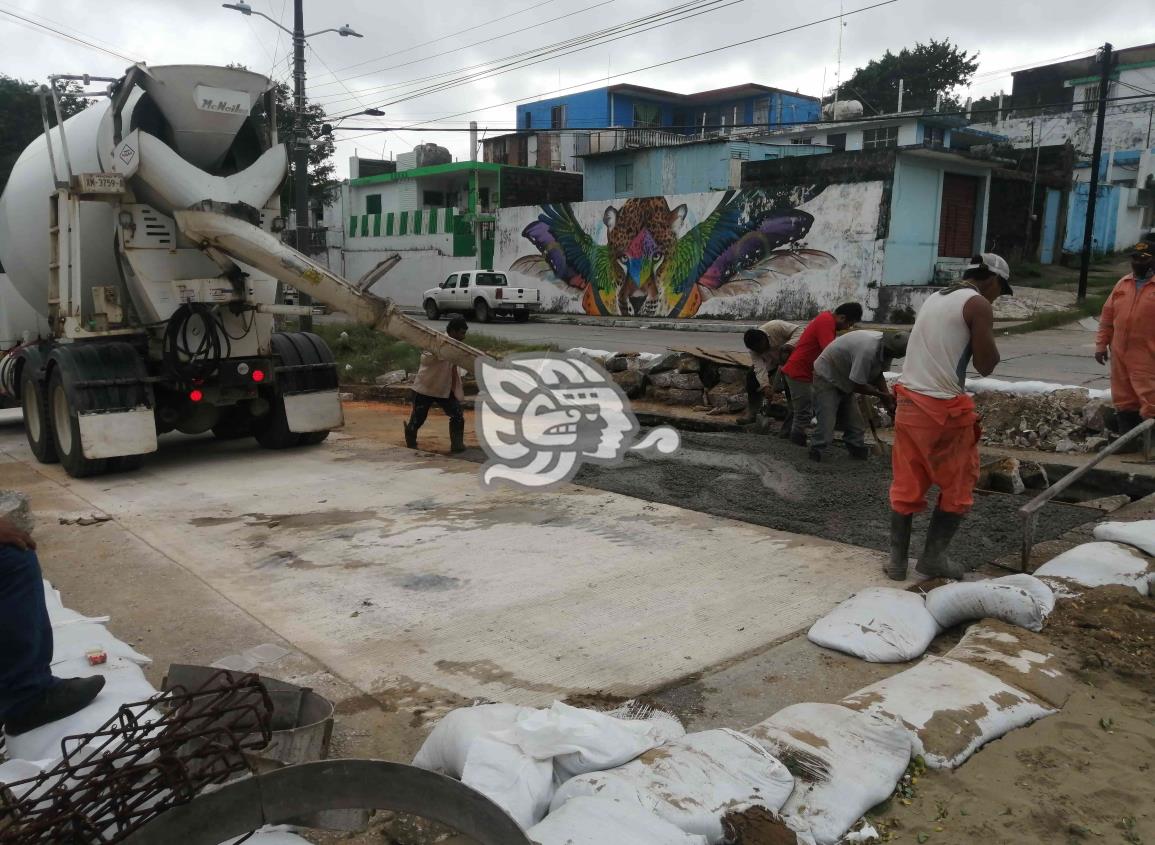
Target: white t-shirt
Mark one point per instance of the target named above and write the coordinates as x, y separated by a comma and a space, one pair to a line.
939, 350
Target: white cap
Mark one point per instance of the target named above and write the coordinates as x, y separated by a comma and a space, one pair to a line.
995, 264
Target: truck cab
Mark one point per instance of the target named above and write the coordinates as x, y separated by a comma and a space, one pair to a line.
483, 294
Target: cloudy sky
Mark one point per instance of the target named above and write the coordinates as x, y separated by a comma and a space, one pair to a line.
407, 44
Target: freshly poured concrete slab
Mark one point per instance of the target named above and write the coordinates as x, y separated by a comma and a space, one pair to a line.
397, 568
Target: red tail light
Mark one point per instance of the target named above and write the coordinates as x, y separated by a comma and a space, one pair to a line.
258, 375
195, 395
499, 294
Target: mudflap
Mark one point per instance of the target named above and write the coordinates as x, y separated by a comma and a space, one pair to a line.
315, 411
112, 434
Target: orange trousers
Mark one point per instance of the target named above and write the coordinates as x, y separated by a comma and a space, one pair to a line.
1133, 381
936, 442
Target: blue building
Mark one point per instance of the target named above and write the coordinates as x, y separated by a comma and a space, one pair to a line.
637, 107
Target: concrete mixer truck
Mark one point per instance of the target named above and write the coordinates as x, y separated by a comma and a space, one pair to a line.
140, 256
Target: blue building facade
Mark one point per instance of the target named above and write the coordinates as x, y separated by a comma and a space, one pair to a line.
637, 107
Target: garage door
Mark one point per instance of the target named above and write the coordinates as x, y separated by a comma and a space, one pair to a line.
956, 228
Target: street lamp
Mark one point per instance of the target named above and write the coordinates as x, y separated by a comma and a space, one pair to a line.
300, 139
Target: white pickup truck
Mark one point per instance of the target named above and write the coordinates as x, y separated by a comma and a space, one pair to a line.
484, 294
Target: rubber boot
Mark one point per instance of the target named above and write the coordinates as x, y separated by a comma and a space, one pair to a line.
1124, 422
457, 436
900, 524
787, 429
410, 436
859, 453
64, 698
798, 438
753, 408
934, 562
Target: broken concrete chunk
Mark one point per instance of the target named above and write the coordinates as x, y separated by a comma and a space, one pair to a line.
1098, 415
665, 363
732, 375
1003, 476
1034, 475
675, 396
617, 364
391, 377
681, 381
15, 508
727, 397
633, 382
94, 518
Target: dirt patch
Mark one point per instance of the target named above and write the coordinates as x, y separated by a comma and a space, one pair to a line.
757, 826
1111, 629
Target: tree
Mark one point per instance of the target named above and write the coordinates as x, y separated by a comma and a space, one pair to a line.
22, 122
926, 71
321, 168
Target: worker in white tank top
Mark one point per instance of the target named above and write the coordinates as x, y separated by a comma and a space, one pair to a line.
936, 427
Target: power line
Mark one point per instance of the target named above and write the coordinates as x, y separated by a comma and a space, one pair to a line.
562, 48
1032, 65
444, 37
522, 65
669, 61
61, 34
317, 56
580, 11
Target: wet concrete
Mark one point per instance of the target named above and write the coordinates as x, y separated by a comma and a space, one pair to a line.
770, 482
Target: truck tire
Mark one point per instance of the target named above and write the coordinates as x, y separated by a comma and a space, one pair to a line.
295, 349
66, 430
37, 418
521, 316
431, 310
482, 311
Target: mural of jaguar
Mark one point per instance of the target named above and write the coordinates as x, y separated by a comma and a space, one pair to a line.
651, 261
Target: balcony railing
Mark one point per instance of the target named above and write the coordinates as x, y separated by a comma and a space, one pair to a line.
612, 140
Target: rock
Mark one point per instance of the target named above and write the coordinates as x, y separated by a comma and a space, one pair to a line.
675, 396
667, 362
689, 364
682, 381
1071, 400
15, 508
1034, 475
732, 375
391, 377
727, 397
1004, 476
1098, 415
631, 381
1108, 504
617, 364
1066, 445
1094, 444
346, 397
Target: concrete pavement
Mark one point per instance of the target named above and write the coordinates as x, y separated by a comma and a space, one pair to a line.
398, 571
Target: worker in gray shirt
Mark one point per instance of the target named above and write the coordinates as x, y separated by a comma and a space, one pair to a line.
852, 366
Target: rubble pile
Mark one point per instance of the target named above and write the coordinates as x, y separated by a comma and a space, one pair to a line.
678, 378
1066, 420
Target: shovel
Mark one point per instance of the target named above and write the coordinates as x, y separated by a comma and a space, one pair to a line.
864, 409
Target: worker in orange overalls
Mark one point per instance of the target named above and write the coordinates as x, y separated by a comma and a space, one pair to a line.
936, 427
1127, 338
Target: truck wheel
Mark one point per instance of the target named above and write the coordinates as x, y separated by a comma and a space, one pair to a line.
521, 316
293, 349
66, 431
37, 419
482, 311
431, 310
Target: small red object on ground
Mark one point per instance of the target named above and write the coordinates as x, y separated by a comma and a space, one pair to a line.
96, 656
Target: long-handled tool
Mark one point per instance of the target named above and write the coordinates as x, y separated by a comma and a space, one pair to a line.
864, 409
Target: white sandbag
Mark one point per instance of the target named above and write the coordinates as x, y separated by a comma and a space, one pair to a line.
272, 835
1024, 660
447, 747
581, 741
596, 821
1139, 534
949, 708
844, 762
878, 624
512, 779
1097, 565
76, 639
998, 598
124, 684
692, 782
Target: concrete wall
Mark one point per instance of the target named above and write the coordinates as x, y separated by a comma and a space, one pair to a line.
835, 260
1125, 128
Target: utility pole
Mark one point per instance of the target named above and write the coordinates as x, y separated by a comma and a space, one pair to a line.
1034, 184
301, 152
1106, 61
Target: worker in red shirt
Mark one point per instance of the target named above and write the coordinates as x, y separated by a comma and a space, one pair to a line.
799, 367
1127, 339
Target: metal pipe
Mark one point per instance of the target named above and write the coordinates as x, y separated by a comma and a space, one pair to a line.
60, 126
1029, 512
48, 135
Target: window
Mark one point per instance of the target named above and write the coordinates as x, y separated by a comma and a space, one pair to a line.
837, 140
874, 139
464, 280
809, 139
647, 116
373, 204
935, 136
528, 120
623, 178
1090, 95
433, 199
682, 121
491, 280
741, 153
762, 111
450, 283
557, 117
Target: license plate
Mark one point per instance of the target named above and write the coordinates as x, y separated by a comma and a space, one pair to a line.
519, 305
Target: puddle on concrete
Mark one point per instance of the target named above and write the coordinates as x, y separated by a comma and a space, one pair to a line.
428, 583
488, 672
312, 519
